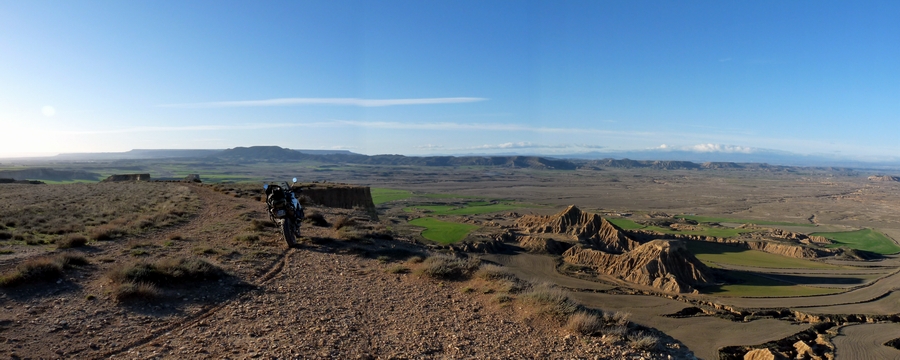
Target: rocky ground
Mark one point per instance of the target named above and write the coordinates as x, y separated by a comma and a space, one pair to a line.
333, 297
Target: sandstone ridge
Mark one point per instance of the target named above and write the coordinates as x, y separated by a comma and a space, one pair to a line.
662, 264
591, 229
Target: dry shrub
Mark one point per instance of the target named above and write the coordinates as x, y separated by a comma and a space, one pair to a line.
5, 235
397, 269
316, 219
552, 300
175, 237
447, 267
247, 238
260, 225
643, 341
494, 272
615, 331
106, 232
134, 291
584, 323
71, 241
616, 318
342, 222
44, 268
166, 271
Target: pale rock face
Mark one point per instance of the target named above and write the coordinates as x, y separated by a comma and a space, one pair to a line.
664, 264
591, 229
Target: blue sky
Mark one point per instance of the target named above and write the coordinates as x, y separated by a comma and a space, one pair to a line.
442, 77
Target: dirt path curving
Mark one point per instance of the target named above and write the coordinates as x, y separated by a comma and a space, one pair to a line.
866, 341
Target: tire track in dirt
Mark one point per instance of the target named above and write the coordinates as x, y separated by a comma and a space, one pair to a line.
866, 341
209, 212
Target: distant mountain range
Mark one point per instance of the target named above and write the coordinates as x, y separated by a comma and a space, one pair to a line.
655, 159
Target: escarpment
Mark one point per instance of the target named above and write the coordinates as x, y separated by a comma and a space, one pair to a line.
591, 229
342, 196
663, 264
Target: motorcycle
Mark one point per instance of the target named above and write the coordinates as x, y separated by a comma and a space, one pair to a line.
284, 210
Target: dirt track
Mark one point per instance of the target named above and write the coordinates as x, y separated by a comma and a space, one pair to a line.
866, 341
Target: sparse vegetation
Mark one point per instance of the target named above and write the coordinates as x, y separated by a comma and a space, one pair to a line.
246, 238
166, 271
316, 219
551, 300
71, 241
643, 341
710, 219
343, 221
134, 291
99, 211
447, 267
43, 268
584, 323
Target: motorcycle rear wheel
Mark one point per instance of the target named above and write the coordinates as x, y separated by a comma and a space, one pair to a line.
287, 232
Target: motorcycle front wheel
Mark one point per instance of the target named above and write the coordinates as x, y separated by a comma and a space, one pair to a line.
287, 231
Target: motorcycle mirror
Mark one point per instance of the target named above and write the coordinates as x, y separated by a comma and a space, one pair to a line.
265, 186
295, 180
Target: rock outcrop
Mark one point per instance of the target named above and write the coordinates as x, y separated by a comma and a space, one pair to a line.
796, 250
663, 264
541, 245
342, 196
589, 228
128, 177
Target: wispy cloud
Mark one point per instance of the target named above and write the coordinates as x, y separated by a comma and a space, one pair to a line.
710, 148
327, 101
530, 145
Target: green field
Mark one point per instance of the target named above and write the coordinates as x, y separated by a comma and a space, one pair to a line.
708, 219
625, 224
471, 208
758, 286
709, 252
865, 239
382, 195
442, 231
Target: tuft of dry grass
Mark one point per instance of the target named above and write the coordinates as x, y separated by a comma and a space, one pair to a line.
106, 232
134, 291
342, 222
316, 219
643, 341
584, 323
43, 268
397, 269
494, 272
447, 267
166, 271
553, 300
71, 241
246, 238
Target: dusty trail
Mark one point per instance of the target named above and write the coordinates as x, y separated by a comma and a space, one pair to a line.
542, 268
866, 341
325, 305
76, 318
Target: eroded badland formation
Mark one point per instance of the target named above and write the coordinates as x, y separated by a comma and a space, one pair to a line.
507, 258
